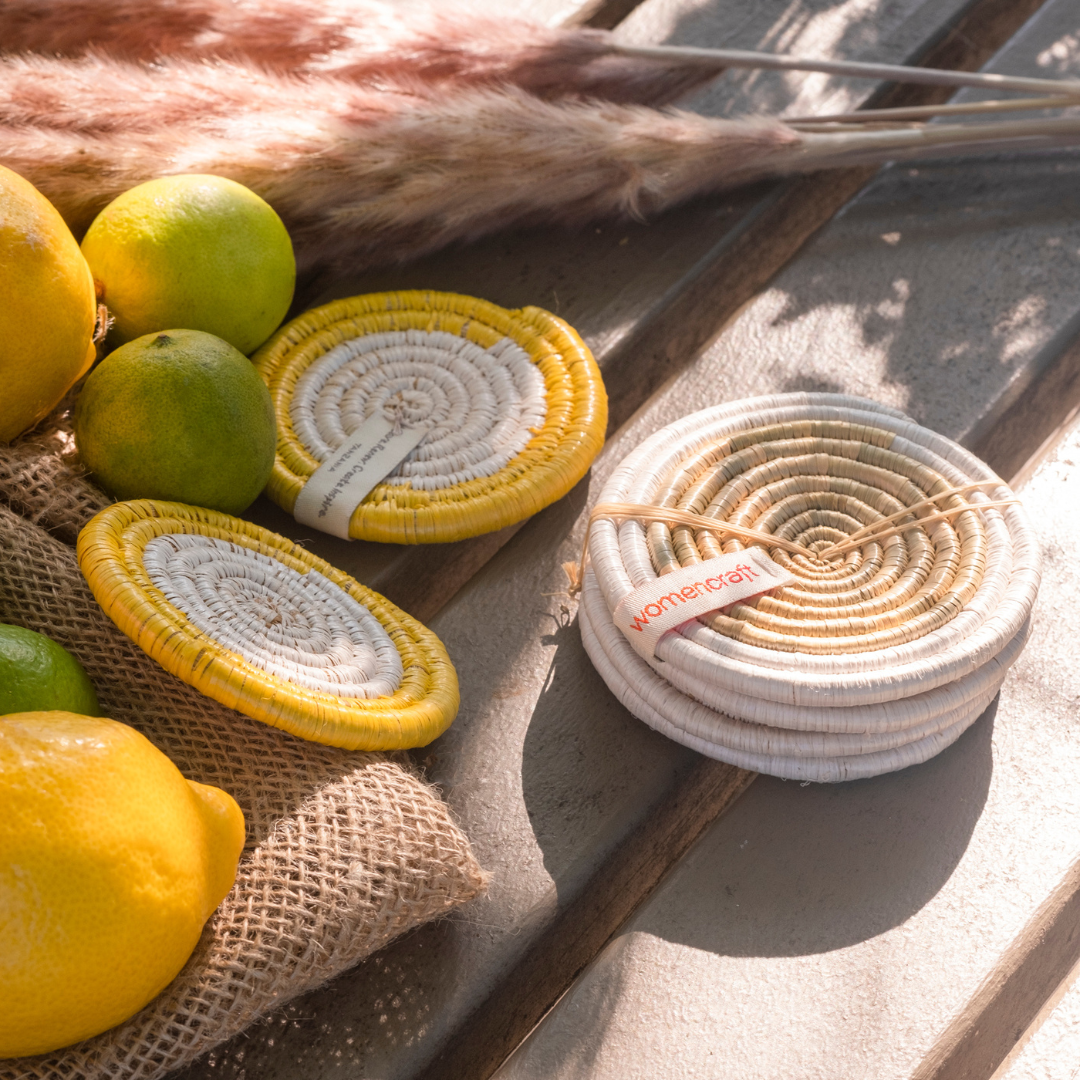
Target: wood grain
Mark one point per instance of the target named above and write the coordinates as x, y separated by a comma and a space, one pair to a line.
424, 578
1014, 442
558, 956
981, 1037
603, 14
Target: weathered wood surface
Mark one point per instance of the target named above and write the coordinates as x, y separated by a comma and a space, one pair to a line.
913, 925
1050, 1048
1012, 996
555, 783
563, 12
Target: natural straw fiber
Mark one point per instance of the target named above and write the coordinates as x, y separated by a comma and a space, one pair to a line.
256, 622
345, 851
884, 650
513, 400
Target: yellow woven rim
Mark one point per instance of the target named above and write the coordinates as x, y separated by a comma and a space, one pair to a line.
555, 459
110, 552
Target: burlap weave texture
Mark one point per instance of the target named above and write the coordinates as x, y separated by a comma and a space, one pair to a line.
345, 851
42, 479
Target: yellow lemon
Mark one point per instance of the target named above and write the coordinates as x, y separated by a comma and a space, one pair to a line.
110, 863
198, 252
181, 416
47, 307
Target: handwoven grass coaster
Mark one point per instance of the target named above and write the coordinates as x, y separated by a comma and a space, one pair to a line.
914, 577
510, 403
263, 626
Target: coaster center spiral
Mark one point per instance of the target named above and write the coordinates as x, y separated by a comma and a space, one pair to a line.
481, 406
299, 627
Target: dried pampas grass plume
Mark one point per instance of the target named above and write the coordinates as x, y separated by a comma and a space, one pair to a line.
362, 173
357, 172
418, 45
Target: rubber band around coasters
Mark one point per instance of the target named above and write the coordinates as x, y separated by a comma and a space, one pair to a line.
514, 401
257, 623
881, 654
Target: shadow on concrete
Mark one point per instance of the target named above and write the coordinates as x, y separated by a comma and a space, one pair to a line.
793, 870
579, 747
803, 28
952, 279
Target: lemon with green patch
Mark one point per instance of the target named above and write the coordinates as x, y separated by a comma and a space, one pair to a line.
197, 251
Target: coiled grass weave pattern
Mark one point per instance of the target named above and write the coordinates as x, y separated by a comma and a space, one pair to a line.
513, 403
877, 657
262, 626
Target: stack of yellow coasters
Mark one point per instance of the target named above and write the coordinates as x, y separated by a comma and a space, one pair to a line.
263, 626
506, 411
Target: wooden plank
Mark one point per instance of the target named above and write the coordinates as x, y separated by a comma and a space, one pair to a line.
602, 14
1048, 1050
558, 955
1031, 422
981, 1037
555, 12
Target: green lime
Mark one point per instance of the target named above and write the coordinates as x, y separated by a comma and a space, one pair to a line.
37, 675
200, 252
180, 415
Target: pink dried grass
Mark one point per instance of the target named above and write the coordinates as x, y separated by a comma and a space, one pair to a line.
388, 139
353, 170
422, 46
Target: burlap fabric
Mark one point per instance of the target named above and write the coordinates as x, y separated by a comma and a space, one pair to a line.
41, 478
345, 851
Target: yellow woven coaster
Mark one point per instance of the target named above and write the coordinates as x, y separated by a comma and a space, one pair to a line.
263, 626
513, 402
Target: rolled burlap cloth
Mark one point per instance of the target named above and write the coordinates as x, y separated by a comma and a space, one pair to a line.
345, 851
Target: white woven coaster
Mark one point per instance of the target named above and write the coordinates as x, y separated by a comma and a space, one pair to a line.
480, 407
298, 627
952, 597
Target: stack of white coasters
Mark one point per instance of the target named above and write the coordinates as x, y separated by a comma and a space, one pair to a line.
855, 607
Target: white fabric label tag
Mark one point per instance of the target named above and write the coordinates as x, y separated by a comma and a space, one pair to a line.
648, 613
339, 485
